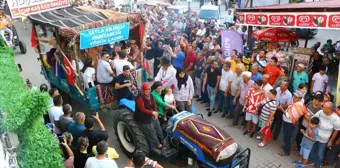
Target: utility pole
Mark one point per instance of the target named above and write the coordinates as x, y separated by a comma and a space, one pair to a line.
189, 1
250, 28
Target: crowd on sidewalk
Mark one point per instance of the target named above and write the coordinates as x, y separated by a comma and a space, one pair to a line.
185, 62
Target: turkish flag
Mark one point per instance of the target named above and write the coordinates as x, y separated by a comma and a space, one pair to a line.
146, 66
33, 38
267, 133
69, 71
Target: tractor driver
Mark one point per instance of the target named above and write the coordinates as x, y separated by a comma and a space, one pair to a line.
124, 84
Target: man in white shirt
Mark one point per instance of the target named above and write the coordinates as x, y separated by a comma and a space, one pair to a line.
119, 63
230, 19
225, 82
178, 25
266, 87
55, 112
319, 81
105, 73
100, 161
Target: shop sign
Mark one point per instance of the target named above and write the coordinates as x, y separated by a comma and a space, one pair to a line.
104, 35
257, 19
281, 20
334, 21
240, 18
18, 8
231, 40
312, 20
326, 20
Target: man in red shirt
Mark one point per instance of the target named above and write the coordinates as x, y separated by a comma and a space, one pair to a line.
190, 60
272, 70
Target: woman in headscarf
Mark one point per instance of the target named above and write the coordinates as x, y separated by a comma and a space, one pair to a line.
158, 54
147, 116
183, 89
157, 90
166, 72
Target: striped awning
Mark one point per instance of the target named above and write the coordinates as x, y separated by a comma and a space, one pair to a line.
67, 17
70, 21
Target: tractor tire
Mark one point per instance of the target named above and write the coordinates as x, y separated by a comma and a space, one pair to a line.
129, 135
22, 47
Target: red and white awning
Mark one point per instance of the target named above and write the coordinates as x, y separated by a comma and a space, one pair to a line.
321, 20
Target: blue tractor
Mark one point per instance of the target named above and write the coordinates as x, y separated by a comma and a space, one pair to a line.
187, 135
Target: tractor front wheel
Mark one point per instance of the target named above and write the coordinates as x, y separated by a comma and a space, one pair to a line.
129, 135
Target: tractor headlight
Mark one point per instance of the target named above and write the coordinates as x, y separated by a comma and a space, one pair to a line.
227, 152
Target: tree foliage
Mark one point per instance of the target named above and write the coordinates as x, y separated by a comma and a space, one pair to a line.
25, 109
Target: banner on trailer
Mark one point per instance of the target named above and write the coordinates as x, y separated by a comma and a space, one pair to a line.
104, 35
19, 8
325, 20
231, 40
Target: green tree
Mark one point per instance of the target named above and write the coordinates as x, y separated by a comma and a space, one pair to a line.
25, 108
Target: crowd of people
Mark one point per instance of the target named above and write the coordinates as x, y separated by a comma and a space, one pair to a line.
185, 63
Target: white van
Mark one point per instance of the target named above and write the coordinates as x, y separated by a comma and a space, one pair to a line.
210, 12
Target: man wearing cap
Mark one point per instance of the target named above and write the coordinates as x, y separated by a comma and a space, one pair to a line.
260, 60
245, 85
123, 84
290, 117
299, 76
119, 63
135, 54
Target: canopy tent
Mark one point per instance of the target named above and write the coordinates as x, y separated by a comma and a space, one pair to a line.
322, 14
70, 21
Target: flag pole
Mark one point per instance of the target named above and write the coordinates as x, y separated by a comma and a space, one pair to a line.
75, 84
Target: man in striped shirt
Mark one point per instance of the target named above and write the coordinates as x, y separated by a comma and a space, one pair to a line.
267, 113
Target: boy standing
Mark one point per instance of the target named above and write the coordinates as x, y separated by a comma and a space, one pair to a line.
309, 137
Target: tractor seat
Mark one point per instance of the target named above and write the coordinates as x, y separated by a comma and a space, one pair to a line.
211, 139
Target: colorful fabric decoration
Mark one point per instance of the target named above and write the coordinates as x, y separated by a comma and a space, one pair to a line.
208, 137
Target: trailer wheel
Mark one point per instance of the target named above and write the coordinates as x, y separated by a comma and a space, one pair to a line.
130, 137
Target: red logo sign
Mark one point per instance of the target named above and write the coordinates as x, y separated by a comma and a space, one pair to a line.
257, 19
281, 20
240, 18
334, 21
311, 20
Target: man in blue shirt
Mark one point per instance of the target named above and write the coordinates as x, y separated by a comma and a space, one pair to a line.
78, 127
255, 74
178, 61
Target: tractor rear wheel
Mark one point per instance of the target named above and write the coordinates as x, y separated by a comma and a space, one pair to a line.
129, 135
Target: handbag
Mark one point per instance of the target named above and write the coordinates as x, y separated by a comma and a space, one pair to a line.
259, 110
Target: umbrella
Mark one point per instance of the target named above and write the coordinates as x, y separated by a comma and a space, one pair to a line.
276, 35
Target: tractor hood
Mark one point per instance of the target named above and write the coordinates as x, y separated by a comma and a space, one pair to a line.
210, 138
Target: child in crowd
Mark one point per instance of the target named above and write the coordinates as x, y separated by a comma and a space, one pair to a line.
169, 99
307, 143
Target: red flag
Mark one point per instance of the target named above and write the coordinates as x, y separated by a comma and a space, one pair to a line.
69, 71
267, 133
33, 38
146, 66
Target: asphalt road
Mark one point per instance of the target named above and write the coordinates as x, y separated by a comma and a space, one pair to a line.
265, 157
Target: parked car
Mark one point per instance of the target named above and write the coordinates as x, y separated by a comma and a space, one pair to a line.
210, 12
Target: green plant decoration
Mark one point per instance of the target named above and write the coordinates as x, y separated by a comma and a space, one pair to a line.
25, 108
